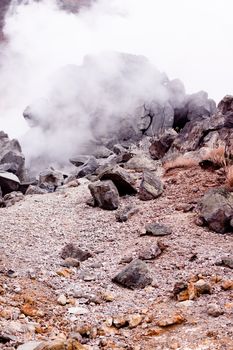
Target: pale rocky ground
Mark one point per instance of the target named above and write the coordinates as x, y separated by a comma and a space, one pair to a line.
34, 231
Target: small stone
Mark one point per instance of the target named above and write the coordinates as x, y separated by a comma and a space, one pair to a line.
107, 296
202, 287
150, 253
227, 285
126, 213
135, 320
31, 345
214, 310
135, 275
76, 310
64, 272
120, 321
156, 229
70, 262
73, 251
171, 320
62, 300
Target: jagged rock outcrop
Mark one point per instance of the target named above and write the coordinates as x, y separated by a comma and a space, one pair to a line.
11, 157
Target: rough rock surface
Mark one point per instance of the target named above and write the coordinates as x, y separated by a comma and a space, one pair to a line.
216, 210
105, 194
151, 186
32, 279
135, 275
11, 158
121, 178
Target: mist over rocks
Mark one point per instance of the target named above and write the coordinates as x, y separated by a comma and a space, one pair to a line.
111, 98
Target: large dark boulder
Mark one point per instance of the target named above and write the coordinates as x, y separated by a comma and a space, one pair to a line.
151, 186
134, 276
8, 182
11, 157
105, 194
121, 178
216, 210
160, 145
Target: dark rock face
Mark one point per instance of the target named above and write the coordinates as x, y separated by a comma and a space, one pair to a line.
216, 210
50, 179
105, 194
8, 182
88, 168
160, 145
151, 187
121, 178
11, 158
35, 190
156, 229
72, 251
125, 213
135, 276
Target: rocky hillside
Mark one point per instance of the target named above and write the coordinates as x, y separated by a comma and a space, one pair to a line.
131, 251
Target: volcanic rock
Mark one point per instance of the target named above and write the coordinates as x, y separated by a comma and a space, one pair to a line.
134, 276
12, 198
141, 162
214, 310
156, 229
86, 164
225, 261
8, 182
150, 252
123, 154
105, 194
121, 178
160, 145
11, 158
216, 209
151, 187
35, 190
50, 179
125, 213
73, 251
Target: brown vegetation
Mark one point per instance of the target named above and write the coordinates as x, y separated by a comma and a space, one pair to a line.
229, 177
217, 156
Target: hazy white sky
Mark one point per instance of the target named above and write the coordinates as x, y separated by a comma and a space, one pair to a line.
188, 39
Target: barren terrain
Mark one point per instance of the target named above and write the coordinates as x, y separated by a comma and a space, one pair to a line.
34, 231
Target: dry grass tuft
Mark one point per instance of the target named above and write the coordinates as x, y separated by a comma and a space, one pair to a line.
217, 156
180, 162
229, 177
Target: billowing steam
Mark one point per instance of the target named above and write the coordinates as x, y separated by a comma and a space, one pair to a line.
80, 87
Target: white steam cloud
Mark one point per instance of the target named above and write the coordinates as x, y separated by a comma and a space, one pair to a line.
187, 39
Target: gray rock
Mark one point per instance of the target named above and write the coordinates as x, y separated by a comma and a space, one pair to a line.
51, 179
105, 194
216, 209
79, 160
151, 187
121, 178
11, 158
31, 345
12, 198
35, 190
88, 168
156, 229
150, 252
125, 213
134, 276
214, 310
141, 162
225, 261
123, 154
160, 145
73, 251
8, 182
